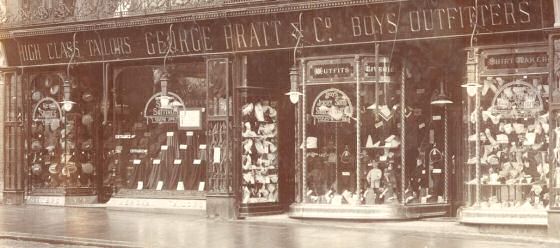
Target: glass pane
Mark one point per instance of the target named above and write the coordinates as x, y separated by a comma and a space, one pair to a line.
260, 150
62, 131
148, 150
514, 135
381, 143
331, 144
555, 167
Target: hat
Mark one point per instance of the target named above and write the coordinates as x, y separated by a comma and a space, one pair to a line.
87, 168
47, 82
87, 145
69, 169
36, 96
53, 168
87, 96
36, 145
54, 89
87, 119
36, 169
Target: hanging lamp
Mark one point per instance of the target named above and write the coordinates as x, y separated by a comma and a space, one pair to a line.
441, 98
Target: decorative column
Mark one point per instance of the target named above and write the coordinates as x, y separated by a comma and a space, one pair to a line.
13, 139
556, 13
222, 182
2, 161
554, 112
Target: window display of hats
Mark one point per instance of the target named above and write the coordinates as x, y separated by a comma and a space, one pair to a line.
259, 152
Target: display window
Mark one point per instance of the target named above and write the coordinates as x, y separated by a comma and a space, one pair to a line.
509, 113
367, 139
62, 131
157, 139
260, 150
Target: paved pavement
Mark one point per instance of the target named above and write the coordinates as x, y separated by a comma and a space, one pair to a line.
107, 228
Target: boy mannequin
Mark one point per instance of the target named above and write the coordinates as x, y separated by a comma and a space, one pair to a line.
373, 178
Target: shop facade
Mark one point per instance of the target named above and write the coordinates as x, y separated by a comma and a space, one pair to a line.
189, 112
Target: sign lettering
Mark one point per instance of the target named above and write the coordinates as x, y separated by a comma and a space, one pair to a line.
332, 105
516, 61
387, 22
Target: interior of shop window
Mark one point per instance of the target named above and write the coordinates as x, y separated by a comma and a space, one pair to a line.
368, 143
266, 125
62, 112
510, 114
144, 144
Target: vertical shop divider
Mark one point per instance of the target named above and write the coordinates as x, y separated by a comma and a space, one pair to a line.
403, 133
303, 134
14, 137
358, 127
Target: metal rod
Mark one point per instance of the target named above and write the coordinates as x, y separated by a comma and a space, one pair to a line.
403, 132
304, 150
358, 133
445, 155
477, 131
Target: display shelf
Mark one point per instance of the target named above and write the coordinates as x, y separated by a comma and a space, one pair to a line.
218, 117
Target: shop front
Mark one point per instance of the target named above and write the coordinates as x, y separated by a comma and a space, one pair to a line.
374, 133
189, 112
509, 145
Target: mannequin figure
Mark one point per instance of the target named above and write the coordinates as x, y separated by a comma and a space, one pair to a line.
373, 179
